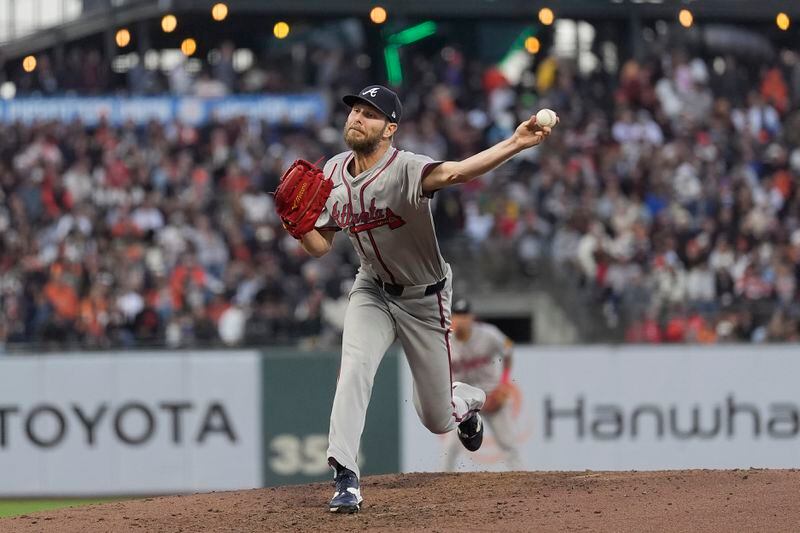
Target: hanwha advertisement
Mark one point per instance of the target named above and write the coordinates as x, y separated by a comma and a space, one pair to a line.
632, 407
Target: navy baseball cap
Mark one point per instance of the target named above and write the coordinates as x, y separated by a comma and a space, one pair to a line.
461, 307
378, 96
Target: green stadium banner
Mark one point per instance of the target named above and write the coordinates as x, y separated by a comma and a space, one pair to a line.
297, 393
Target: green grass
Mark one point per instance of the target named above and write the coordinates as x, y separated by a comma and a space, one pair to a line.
18, 507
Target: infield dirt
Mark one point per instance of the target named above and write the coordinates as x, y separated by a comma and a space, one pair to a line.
695, 500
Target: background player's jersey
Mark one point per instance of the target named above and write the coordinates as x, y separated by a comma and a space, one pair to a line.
386, 216
479, 360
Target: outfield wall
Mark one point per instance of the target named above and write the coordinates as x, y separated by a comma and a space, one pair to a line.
125, 424
639, 407
168, 422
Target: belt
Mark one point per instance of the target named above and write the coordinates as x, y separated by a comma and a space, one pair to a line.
397, 290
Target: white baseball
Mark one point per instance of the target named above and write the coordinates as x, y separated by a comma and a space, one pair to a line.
546, 117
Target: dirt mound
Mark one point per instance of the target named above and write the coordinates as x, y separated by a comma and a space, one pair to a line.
696, 500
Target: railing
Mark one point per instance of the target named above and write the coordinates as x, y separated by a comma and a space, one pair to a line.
495, 267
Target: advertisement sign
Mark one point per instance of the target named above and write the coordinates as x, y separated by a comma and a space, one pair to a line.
295, 109
125, 424
637, 407
298, 394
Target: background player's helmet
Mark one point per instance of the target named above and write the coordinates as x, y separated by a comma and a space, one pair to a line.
461, 307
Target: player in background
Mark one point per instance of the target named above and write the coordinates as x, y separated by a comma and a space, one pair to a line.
481, 356
381, 199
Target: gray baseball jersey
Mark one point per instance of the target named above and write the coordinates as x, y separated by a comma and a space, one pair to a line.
387, 217
388, 220
478, 361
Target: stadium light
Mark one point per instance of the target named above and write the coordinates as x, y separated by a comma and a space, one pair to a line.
169, 23
686, 18
519, 43
29, 64
783, 21
123, 37
546, 16
377, 15
219, 12
188, 46
280, 30
533, 45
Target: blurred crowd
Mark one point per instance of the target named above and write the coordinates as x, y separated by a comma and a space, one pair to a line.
668, 196
687, 225
131, 237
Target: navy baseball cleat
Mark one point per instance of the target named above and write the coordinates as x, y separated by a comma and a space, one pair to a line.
347, 498
470, 432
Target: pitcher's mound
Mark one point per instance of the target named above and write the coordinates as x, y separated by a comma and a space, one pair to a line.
694, 500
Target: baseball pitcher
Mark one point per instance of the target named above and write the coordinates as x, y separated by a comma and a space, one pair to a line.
380, 197
481, 356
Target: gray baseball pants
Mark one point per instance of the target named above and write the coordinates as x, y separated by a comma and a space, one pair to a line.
422, 324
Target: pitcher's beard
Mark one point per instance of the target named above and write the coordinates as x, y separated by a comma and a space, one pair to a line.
365, 145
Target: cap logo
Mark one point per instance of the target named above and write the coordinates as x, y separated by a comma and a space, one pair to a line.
372, 92
394, 115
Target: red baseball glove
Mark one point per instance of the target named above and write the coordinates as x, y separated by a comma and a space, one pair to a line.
301, 197
497, 398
